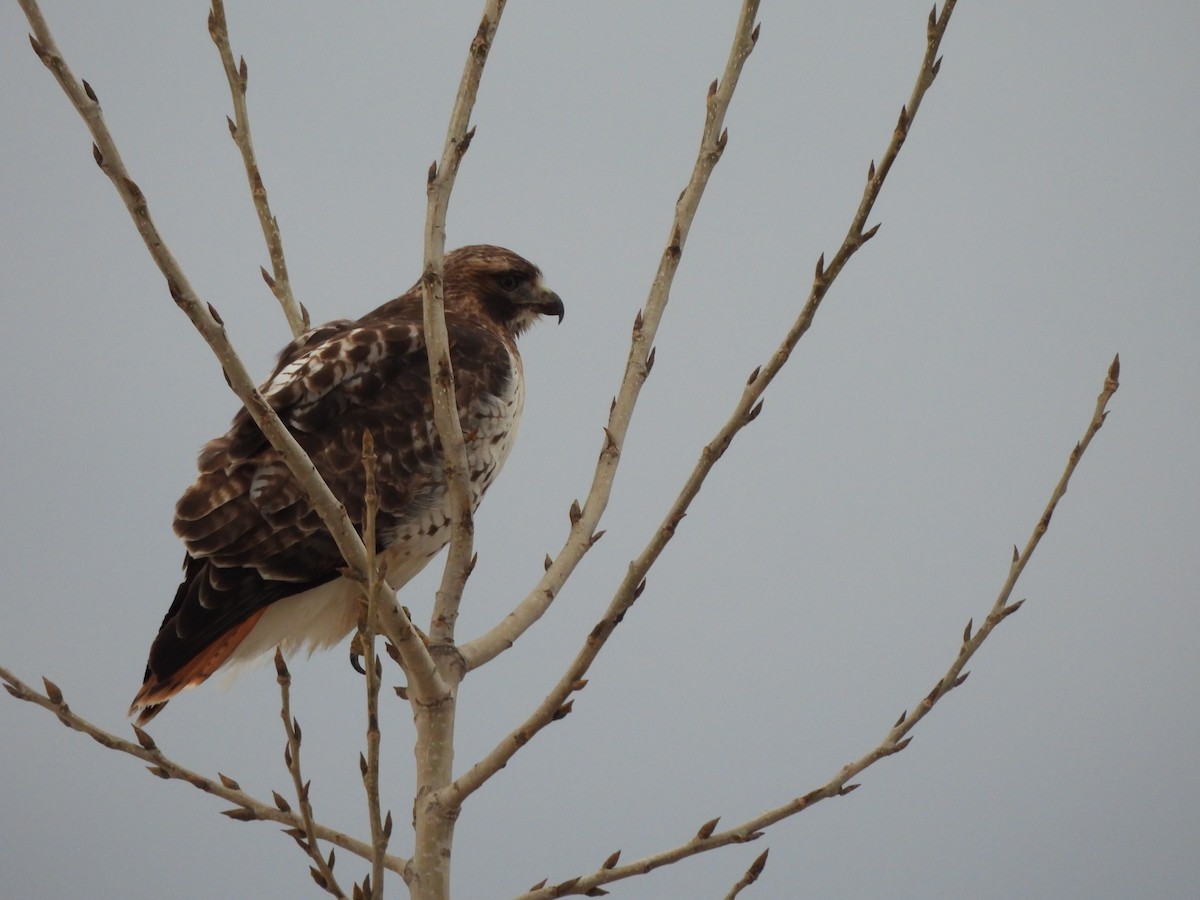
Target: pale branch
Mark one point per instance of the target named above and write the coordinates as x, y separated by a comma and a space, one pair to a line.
305, 836
369, 765
751, 876
202, 315
1001, 609
745, 411
239, 130
897, 738
433, 821
384, 613
425, 682
439, 186
584, 520
247, 808
750, 403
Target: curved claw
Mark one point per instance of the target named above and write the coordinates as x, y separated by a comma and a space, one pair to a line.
356, 656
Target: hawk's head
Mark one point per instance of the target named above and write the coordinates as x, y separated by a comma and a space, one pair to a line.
507, 288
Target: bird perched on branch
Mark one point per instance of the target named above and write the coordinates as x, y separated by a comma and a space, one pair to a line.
261, 570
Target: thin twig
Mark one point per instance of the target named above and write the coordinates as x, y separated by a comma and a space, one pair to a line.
239, 130
751, 876
202, 315
206, 320
585, 519
247, 809
750, 403
433, 822
305, 837
425, 683
708, 838
445, 412
371, 665
745, 411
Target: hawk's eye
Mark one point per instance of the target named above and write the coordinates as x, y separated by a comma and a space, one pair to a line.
509, 282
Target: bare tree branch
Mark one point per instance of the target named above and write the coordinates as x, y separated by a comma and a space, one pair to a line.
435, 671
708, 838
366, 633
206, 320
203, 316
745, 411
585, 520
433, 821
248, 808
750, 403
751, 876
239, 130
305, 836
454, 454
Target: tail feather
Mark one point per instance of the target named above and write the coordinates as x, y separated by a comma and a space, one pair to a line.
157, 691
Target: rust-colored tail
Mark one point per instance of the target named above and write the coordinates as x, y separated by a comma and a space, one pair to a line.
155, 691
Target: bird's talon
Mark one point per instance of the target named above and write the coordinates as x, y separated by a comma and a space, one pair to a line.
356, 654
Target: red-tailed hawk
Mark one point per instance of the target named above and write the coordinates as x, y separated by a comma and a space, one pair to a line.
261, 570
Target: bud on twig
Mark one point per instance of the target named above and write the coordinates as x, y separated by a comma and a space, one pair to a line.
707, 829
144, 739
1012, 608
563, 711
52, 692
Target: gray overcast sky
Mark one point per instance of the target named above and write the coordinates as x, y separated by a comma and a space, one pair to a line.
1042, 216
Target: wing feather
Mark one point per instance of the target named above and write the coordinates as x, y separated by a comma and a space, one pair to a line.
251, 535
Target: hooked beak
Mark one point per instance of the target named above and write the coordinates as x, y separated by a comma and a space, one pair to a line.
545, 302
551, 304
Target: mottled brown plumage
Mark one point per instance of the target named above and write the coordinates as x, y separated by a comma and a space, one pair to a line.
260, 568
